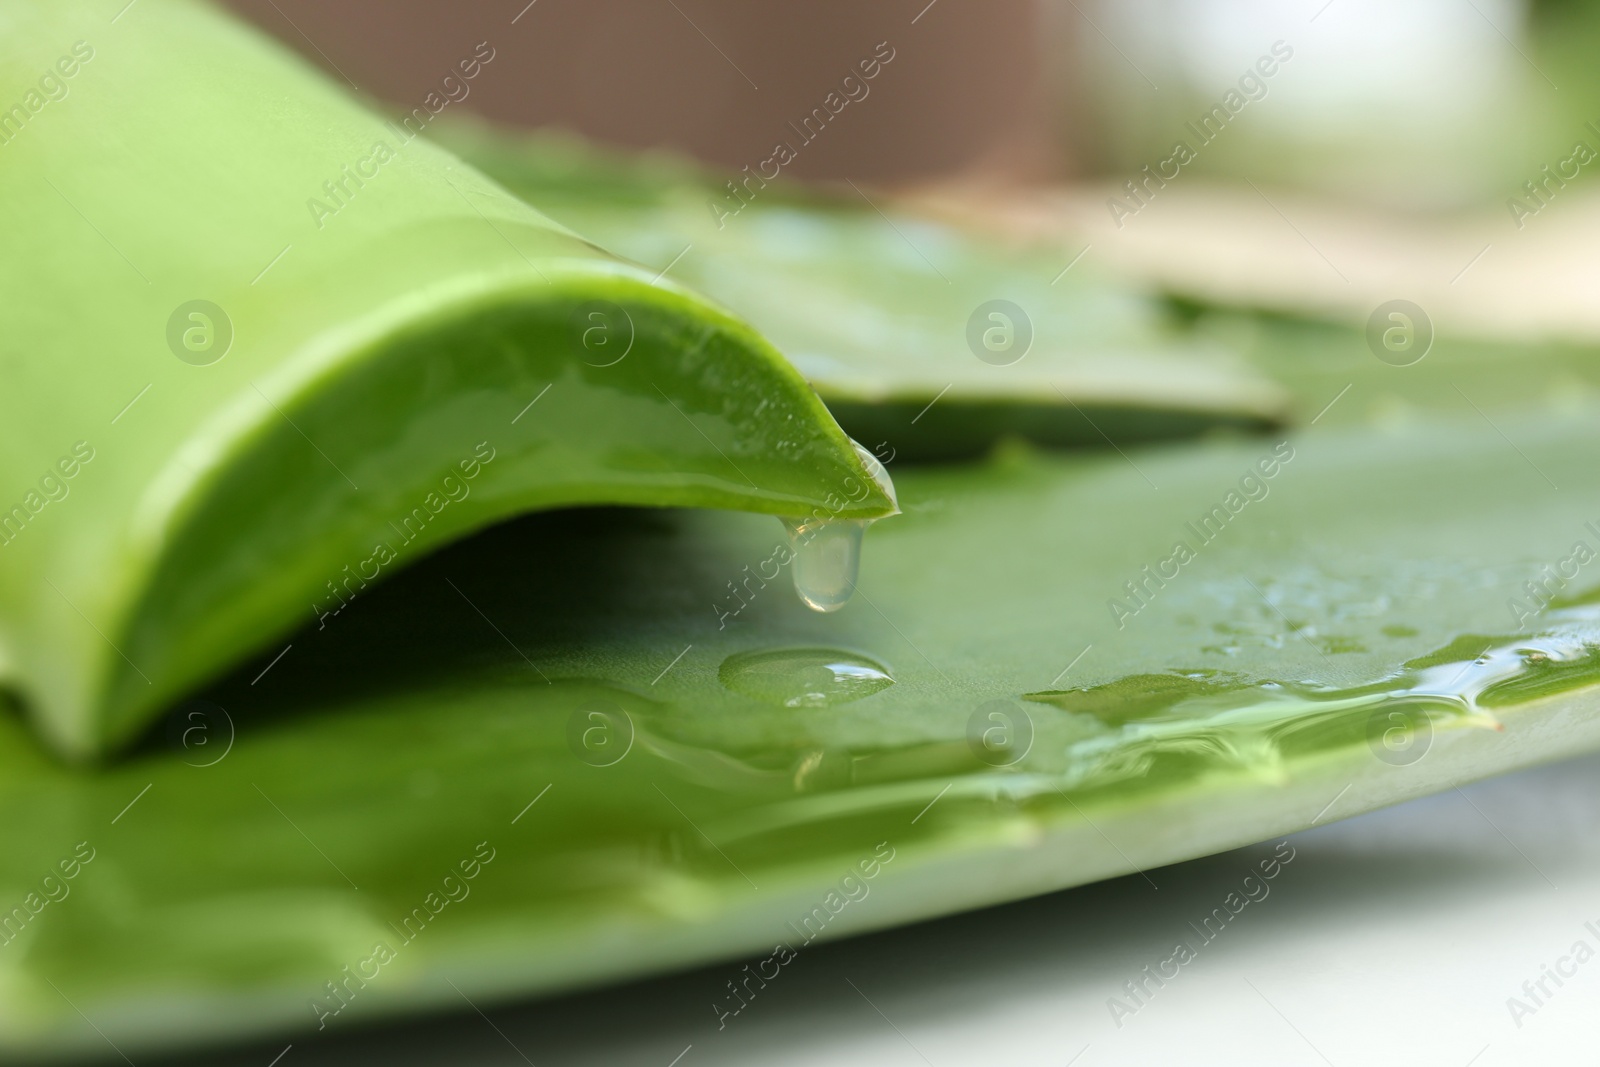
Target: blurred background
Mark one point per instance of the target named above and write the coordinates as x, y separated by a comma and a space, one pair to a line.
718, 80
1429, 105
1313, 157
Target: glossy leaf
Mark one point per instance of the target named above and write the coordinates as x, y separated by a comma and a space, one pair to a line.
1343, 641
911, 331
262, 348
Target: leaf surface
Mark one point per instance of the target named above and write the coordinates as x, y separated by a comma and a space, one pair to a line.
912, 331
262, 348
1341, 643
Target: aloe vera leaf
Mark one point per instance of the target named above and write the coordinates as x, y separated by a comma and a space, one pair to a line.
877, 311
1459, 376
366, 392
1253, 696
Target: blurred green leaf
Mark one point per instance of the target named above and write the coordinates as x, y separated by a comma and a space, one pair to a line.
897, 321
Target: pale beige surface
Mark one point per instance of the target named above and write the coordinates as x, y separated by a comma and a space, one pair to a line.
1476, 275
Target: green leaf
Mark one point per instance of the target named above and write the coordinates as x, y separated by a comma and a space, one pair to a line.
913, 332
263, 347
602, 742
1342, 642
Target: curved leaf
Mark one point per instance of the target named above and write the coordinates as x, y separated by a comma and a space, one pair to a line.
912, 331
265, 348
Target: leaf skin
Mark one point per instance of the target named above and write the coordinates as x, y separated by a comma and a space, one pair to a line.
375, 350
387, 745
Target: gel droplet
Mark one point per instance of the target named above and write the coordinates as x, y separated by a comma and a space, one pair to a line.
827, 551
804, 677
879, 474
827, 560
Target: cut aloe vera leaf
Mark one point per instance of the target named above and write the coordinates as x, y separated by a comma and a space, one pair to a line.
886, 314
264, 349
665, 780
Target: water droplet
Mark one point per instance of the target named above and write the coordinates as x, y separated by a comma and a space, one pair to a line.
804, 677
879, 475
827, 551
827, 559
